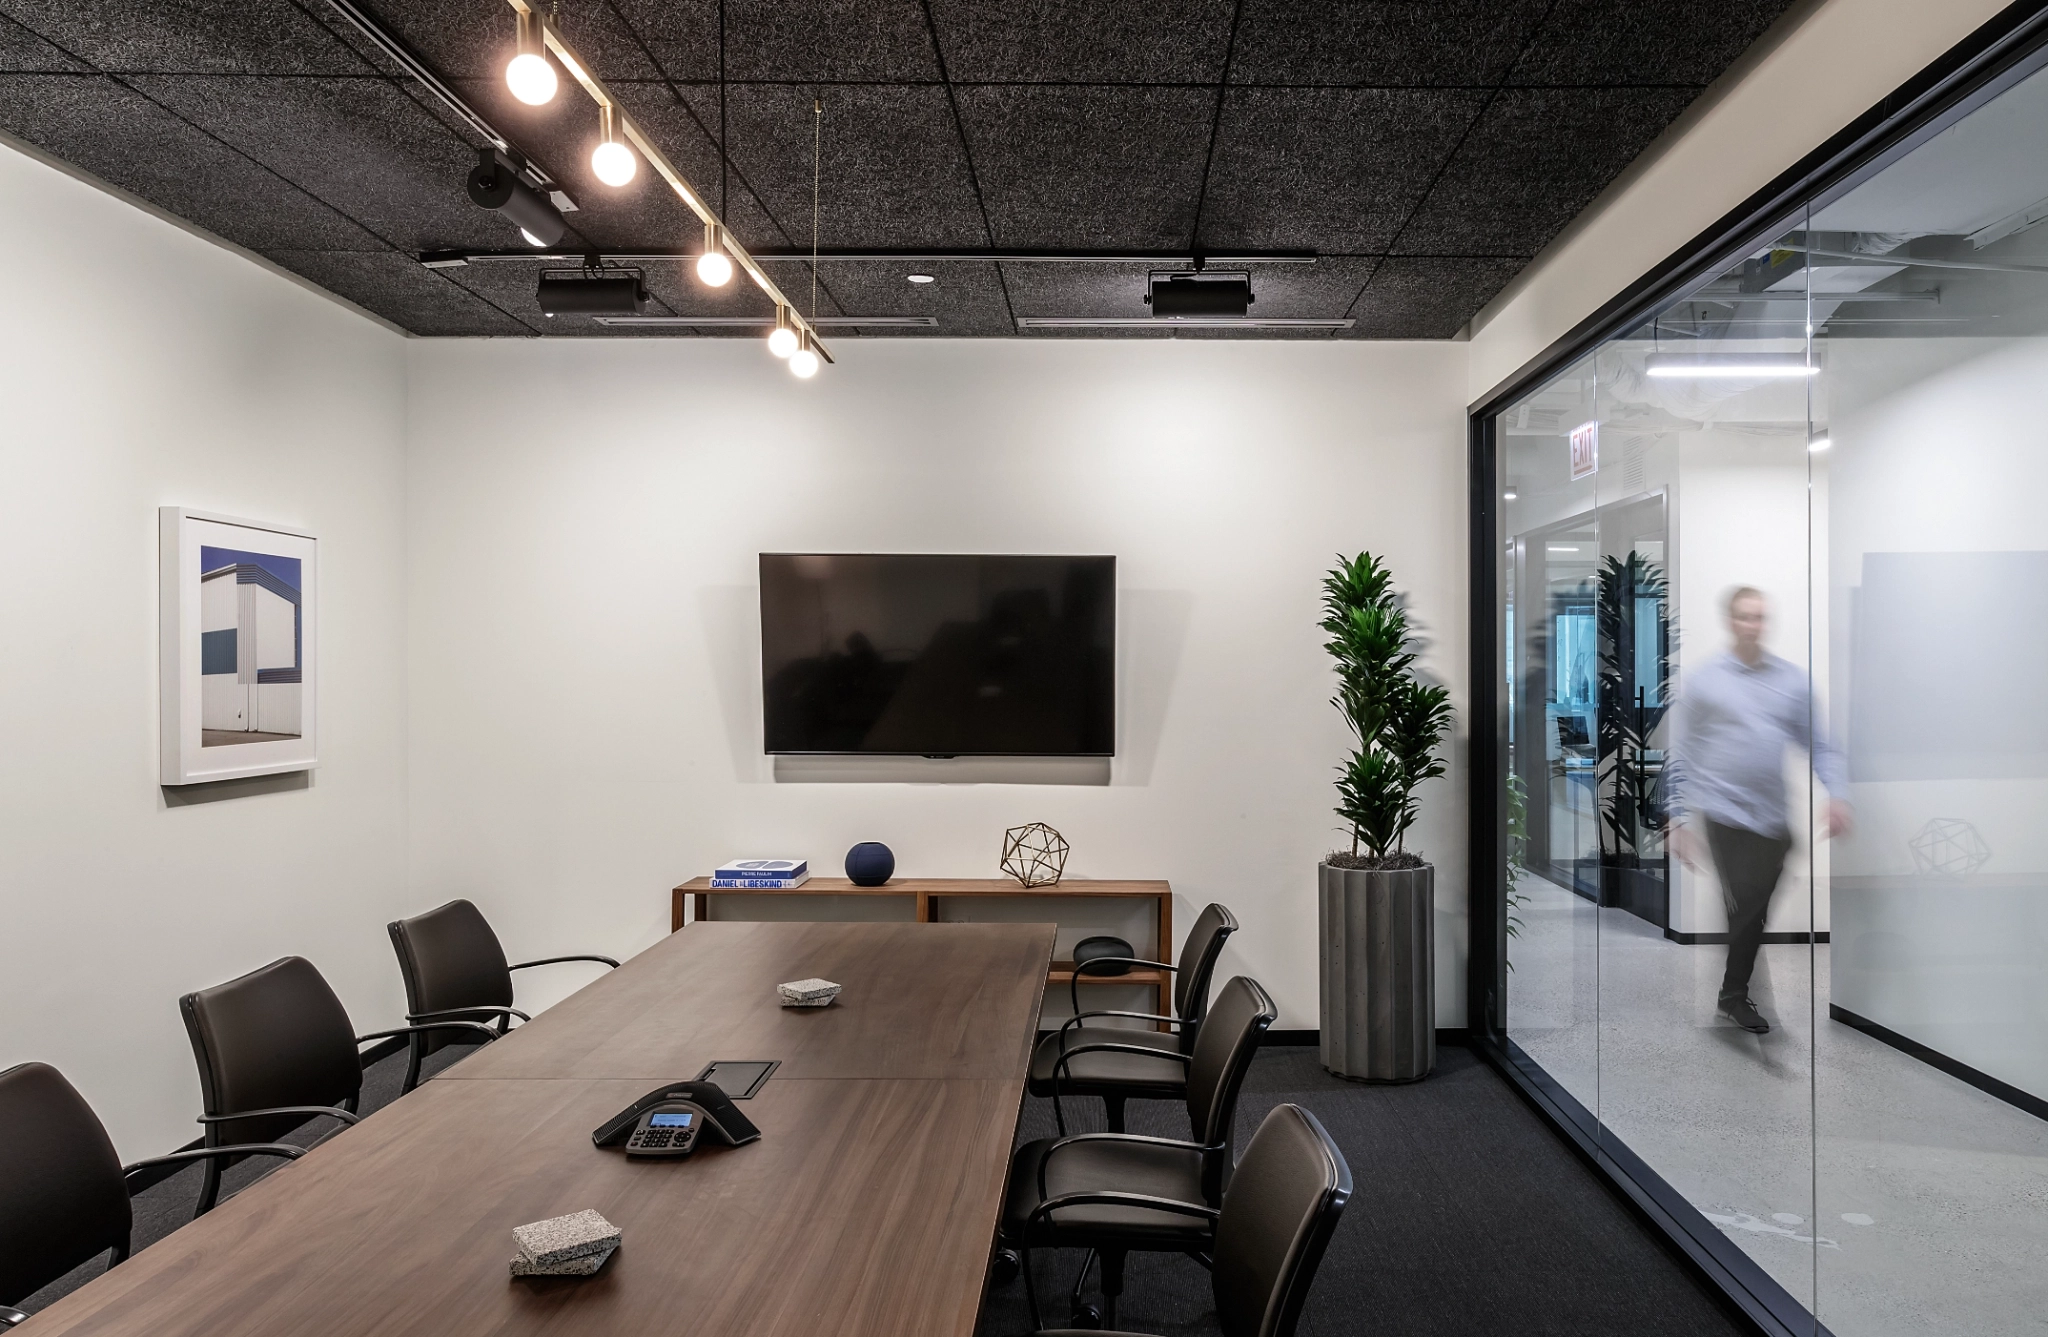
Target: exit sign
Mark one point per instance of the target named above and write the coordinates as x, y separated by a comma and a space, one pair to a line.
1585, 449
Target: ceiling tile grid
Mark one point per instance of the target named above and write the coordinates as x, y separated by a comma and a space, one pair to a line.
1421, 153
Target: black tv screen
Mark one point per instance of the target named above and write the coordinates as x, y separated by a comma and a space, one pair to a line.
937, 655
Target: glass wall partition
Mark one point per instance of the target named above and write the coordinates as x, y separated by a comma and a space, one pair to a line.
1772, 606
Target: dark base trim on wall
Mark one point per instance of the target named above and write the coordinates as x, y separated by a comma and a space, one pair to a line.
1934, 1058
1752, 1292
157, 1174
1770, 939
1456, 1036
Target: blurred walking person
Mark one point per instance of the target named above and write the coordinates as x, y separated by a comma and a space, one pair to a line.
1737, 715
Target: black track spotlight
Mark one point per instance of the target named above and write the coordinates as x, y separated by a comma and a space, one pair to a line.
1201, 294
497, 183
581, 293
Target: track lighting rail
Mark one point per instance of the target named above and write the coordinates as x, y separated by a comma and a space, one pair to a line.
629, 129
452, 259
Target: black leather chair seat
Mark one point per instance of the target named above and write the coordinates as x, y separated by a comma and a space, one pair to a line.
1108, 1072
1122, 1166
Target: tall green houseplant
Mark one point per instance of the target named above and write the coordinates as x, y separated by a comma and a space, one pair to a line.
1398, 720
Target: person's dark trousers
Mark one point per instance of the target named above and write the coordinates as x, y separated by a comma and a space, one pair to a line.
1748, 865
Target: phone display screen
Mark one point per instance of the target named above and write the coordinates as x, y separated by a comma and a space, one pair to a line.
679, 1120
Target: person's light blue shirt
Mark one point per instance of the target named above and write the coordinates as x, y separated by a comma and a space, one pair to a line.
1731, 728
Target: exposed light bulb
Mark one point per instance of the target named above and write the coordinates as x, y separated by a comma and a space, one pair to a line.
614, 163
782, 341
532, 240
531, 79
714, 268
804, 363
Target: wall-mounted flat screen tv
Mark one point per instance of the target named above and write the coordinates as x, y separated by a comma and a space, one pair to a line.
938, 655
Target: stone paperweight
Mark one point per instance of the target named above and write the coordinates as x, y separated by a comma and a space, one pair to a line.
561, 1239
807, 993
524, 1266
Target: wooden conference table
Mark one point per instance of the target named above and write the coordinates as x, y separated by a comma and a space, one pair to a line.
868, 1206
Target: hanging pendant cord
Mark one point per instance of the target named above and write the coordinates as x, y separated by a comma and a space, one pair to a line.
817, 168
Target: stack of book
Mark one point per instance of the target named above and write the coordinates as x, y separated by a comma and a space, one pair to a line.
760, 875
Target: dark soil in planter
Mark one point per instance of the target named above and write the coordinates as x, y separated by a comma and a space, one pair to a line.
1384, 863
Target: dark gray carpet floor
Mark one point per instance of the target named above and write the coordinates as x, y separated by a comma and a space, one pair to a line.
1469, 1217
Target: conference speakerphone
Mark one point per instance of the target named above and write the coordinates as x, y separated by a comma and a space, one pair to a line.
671, 1119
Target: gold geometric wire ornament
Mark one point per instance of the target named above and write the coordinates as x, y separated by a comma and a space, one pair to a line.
1949, 847
630, 130
1034, 854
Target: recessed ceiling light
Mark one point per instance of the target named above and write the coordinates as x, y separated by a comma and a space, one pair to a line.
919, 278
1733, 366
1509, 495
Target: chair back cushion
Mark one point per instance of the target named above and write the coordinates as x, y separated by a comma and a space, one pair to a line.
1223, 1054
1198, 963
451, 959
276, 1036
62, 1198
1278, 1215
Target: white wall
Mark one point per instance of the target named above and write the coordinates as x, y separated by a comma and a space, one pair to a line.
1822, 66
140, 366
585, 700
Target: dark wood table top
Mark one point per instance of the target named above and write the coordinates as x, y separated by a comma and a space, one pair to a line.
918, 1000
867, 1207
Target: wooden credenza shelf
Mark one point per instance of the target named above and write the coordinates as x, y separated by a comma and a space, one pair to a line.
923, 891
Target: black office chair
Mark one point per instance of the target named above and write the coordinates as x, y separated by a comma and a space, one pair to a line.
1131, 1072
455, 969
1276, 1221
275, 1049
1048, 1201
63, 1192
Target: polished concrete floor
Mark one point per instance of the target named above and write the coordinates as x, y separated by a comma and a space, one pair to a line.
1903, 1200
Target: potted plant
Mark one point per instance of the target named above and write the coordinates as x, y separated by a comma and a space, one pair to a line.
1376, 901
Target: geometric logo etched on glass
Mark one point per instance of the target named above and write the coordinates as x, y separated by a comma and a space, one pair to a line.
1034, 854
1949, 847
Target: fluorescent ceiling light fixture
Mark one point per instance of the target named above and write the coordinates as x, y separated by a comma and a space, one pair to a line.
1729, 366
1509, 495
1180, 323
765, 322
920, 278
1818, 444
1563, 547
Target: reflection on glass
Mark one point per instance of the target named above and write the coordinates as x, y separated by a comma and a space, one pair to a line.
1777, 741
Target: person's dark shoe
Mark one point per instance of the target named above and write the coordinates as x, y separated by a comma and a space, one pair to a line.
1743, 1013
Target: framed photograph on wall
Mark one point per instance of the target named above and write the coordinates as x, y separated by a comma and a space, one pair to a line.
238, 630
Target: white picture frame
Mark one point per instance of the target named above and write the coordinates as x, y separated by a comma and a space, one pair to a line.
238, 641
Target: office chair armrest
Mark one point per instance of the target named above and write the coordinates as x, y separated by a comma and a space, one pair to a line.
1080, 1017
1082, 967
10, 1316
430, 1026
1046, 1159
1059, 1115
1111, 1197
328, 1110
557, 960
460, 1012
284, 1149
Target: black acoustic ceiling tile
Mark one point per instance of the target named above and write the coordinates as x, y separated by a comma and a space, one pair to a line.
121, 137
1427, 297
1384, 43
1089, 166
1327, 168
199, 36
421, 301
1084, 41
805, 40
475, 39
1643, 41
965, 297
22, 50
893, 172
1533, 161
360, 145
681, 35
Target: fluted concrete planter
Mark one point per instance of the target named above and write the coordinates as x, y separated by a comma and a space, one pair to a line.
1378, 931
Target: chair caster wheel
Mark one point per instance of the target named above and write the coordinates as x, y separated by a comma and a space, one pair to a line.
1005, 1266
1086, 1316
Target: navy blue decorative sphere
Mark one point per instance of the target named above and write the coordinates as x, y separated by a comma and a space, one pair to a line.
869, 864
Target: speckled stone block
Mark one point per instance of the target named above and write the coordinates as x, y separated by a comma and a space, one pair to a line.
524, 1266
561, 1238
807, 993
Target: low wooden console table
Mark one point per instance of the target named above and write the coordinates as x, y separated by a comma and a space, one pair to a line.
925, 890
